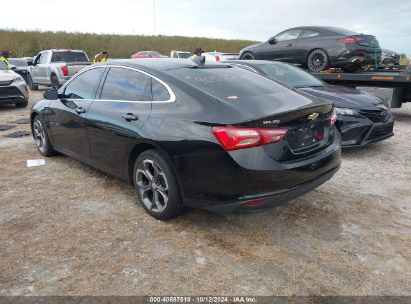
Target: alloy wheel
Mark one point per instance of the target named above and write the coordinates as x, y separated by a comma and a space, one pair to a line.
317, 61
39, 135
152, 185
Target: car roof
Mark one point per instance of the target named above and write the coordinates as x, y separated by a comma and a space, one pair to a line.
162, 64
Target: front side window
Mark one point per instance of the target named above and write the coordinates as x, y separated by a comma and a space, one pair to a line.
127, 85
84, 86
288, 35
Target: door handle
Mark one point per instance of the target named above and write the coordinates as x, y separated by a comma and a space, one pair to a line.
130, 117
289, 45
80, 110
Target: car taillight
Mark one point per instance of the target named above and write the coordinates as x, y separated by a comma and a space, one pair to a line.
217, 58
350, 40
332, 118
64, 70
234, 138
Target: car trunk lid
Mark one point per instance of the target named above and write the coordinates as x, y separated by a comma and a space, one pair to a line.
366, 40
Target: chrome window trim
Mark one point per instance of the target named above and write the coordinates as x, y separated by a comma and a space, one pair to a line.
170, 91
246, 66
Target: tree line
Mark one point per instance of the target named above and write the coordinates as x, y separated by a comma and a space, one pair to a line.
29, 43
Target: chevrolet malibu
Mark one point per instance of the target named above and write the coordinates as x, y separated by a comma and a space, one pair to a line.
209, 136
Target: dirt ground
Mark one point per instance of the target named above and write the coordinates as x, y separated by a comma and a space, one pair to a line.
67, 229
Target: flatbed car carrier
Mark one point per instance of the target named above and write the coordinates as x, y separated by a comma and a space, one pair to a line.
400, 82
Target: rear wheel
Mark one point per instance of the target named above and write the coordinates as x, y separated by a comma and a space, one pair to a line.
41, 138
317, 60
55, 85
247, 56
31, 84
156, 186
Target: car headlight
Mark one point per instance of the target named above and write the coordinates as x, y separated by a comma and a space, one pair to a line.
347, 112
386, 54
18, 79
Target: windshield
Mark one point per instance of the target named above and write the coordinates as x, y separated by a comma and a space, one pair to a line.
69, 56
3, 66
290, 76
228, 83
18, 62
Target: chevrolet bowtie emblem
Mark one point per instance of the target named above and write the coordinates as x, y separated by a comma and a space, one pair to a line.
313, 116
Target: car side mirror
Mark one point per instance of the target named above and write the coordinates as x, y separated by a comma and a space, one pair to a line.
51, 95
29, 63
272, 40
13, 68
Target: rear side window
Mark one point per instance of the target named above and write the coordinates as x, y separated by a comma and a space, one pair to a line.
309, 34
84, 86
160, 92
228, 83
127, 85
69, 56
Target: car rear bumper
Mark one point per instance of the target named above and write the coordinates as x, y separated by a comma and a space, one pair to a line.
264, 201
356, 132
357, 57
210, 181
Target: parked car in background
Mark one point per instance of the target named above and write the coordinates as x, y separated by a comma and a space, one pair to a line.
21, 66
389, 59
54, 67
318, 48
404, 61
219, 56
13, 88
180, 54
216, 137
147, 54
362, 118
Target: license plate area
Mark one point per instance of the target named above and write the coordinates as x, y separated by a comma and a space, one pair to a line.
306, 137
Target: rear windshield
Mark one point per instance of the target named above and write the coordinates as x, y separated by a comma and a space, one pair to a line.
289, 75
184, 55
69, 56
228, 83
342, 31
18, 62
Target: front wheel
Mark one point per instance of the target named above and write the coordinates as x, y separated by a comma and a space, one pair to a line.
41, 138
31, 84
247, 56
156, 186
317, 60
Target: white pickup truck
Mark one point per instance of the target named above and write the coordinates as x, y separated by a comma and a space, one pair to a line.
54, 67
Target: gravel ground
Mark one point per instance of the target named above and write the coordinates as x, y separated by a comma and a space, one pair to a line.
67, 229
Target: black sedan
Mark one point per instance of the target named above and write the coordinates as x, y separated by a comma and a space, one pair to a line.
21, 66
318, 48
208, 136
362, 118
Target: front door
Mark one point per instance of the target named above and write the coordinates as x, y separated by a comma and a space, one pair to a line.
284, 48
67, 118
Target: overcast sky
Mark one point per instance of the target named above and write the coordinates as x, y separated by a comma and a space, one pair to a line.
389, 21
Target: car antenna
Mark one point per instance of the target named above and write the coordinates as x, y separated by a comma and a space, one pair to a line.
199, 60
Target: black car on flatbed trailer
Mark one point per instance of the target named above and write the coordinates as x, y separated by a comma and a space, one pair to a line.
399, 81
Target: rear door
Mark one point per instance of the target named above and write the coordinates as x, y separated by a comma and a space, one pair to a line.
67, 117
116, 117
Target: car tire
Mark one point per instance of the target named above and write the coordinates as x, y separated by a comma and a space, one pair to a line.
247, 56
31, 84
21, 104
317, 60
157, 186
41, 138
55, 85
